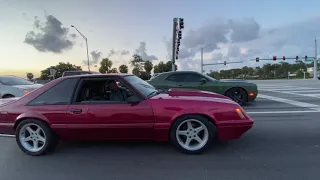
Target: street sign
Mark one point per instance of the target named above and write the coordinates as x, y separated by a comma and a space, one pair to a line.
309, 59
52, 72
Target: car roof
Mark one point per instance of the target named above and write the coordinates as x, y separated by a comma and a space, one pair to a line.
99, 75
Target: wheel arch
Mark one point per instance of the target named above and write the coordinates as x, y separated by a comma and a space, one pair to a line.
210, 119
20, 119
7, 94
237, 87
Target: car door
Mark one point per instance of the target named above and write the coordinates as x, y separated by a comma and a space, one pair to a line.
103, 119
199, 82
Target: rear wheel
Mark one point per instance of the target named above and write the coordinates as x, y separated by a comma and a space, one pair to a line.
35, 138
8, 96
238, 95
192, 134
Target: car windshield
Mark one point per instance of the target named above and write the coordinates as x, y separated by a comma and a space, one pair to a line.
142, 86
13, 81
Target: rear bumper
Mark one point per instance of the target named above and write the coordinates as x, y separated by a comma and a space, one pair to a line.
234, 130
7, 128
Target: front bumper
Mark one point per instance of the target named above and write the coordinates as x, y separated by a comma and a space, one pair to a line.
234, 130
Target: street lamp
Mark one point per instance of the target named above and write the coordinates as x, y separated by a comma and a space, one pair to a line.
86, 45
202, 56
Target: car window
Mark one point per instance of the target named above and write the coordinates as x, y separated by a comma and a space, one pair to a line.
141, 85
176, 77
14, 81
71, 73
59, 94
193, 78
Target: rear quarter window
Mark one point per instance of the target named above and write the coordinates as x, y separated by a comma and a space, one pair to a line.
59, 94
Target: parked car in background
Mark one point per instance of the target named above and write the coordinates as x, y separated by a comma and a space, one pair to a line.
73, 73
12, 86
154, 75
96, 107
238, 90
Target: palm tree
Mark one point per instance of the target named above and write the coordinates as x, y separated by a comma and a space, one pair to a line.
105, 65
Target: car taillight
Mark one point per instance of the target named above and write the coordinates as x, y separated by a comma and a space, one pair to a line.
242, 116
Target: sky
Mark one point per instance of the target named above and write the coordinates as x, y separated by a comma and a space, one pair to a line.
37, 34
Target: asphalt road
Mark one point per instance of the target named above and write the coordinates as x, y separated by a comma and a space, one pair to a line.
284, 144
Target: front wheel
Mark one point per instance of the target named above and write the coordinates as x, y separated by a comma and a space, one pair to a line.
238, 95
192, 134
8, 96
35, 138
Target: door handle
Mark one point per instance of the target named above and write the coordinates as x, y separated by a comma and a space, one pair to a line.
76, 111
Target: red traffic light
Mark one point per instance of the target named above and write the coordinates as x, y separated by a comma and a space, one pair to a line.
274, 58
306, 57
284, 57
297, 58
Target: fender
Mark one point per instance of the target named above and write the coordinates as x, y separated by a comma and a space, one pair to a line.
31, 115
193, 111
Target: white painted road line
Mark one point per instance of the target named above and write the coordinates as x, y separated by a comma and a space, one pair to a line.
297, 94
283, 112
288, 101
287, 89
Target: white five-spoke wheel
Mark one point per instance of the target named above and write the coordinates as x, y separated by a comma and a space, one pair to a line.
192, 133
32, 137
35, 138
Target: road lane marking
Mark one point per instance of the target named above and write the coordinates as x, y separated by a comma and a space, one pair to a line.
296, 94
288, 101
287, 89
283, 112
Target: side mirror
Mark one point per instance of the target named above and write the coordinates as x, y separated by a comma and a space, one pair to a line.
203, 81
133, 100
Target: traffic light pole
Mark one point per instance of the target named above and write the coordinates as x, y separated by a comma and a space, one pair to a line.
174, 37
315, 61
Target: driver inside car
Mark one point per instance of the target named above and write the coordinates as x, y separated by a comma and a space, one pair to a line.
117, 93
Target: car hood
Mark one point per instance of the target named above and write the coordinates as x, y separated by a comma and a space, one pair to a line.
196, 95
29, 87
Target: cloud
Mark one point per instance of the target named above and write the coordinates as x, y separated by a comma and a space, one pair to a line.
50, 36
95, 58
112, 52
141, 51
244, 40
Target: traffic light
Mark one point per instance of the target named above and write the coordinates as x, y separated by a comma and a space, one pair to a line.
257, 59
179, 34
181, 23
225, 62
306, 57
297, 58
274, 58
284, 57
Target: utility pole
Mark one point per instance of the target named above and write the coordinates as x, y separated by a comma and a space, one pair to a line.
201, 60
202, 56
174, 38
315, 62
85, 38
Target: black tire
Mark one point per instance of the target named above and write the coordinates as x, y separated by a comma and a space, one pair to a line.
51, 138
238, 95
212, 133
8, 96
